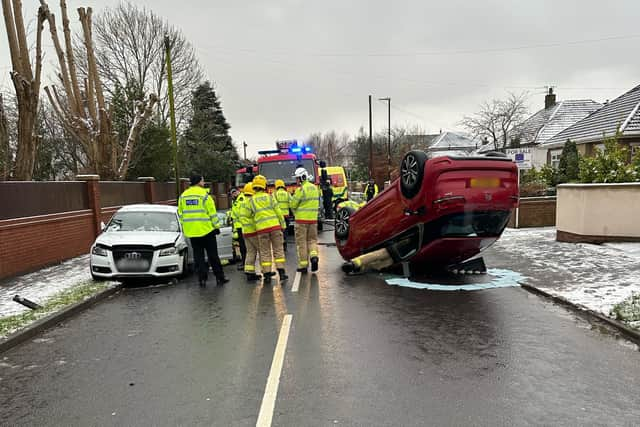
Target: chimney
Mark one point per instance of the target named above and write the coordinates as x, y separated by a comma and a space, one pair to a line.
549, 99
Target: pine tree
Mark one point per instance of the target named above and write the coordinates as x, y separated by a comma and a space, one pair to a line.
568, 168
207, 147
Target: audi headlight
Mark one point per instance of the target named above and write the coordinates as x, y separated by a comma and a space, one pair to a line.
168, 251
99, 250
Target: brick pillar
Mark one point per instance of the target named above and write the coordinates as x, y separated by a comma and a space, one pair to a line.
149, 190
93, 194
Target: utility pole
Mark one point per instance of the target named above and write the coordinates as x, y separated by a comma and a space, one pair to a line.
389, 137
244, 145
370, 141
174, 140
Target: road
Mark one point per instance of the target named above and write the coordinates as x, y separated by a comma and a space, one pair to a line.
359, 353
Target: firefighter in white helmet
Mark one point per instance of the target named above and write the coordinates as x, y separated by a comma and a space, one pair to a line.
305, 204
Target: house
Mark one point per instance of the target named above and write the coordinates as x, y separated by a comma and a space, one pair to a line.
542, 126
453, 141
620, 115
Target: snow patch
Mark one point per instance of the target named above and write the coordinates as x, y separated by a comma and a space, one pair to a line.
500, 279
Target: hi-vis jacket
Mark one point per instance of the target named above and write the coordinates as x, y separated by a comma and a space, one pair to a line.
246, 217
305, 203
197, 212
235, 208
266, 213
283, 199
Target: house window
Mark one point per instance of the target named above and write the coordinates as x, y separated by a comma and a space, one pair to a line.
635, 148
598, 147
555, 158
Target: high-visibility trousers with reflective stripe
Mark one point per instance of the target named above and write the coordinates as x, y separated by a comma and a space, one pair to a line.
306, 243
271, 243
252, 253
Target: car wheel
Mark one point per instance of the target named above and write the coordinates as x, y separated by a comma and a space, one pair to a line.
342, 222
412, 172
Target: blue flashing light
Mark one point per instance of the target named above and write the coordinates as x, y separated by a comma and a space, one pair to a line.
296, 150
307, 149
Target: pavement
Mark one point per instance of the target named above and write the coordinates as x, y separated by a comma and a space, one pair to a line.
359, 352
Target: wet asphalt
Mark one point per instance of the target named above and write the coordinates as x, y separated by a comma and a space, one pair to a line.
360, 353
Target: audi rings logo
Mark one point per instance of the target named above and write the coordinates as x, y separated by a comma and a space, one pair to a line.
133, 255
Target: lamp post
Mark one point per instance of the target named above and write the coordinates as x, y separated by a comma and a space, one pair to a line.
370, 141
388, 100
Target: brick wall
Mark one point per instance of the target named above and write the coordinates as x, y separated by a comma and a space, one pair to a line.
535, 212
27, 244
33, 242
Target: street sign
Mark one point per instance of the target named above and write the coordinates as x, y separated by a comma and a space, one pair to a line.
522, 157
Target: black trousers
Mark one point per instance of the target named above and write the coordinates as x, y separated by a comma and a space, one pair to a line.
206, 243
243, 246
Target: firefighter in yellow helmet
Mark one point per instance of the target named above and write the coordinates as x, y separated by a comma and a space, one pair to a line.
249, 233
237, 198
305, 204
269, 225
200, 223
283, 199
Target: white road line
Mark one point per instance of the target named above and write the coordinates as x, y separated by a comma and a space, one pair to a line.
296, 282
265, 416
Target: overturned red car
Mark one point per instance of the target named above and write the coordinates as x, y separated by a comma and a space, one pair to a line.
441, 211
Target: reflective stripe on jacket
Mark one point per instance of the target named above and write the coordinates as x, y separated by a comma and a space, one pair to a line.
305, 203
197, 212
266, 213
283, 199
235, 206
246, 217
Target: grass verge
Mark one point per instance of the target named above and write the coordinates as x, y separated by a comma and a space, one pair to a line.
628, 311
65, 298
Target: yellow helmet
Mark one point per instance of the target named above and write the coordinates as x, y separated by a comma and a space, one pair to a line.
280, 183
248, 189
260, 182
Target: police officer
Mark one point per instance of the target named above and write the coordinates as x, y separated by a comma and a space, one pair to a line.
238, 198
371, 190
283, 199
249, 233
305, 204
197, 213
269, 225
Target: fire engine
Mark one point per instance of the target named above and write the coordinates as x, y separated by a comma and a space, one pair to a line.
281, 163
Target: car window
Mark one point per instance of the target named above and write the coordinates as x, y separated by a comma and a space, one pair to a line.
144, 221
284, 170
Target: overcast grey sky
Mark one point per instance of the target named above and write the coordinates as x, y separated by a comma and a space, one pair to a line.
286, 68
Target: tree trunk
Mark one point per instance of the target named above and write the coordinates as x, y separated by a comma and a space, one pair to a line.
5, 149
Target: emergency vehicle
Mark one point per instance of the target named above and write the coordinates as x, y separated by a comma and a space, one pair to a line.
282, 162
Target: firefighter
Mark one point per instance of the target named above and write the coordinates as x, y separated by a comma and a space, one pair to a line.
371, 190
238, 236
305, 204
197, 213
249, 233
269, 225
282, 198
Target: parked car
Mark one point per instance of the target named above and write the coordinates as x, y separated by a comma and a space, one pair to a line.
147, 241
442, 210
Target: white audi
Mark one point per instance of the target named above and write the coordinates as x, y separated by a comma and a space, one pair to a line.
147, 241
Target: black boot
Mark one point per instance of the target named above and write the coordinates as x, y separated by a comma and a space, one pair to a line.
283, 274
222, 280
267, 277
252, 277
314, 263
303, 270
350, 268
202, 282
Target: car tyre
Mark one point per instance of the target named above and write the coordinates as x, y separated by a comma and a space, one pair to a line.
412, 172
342, 222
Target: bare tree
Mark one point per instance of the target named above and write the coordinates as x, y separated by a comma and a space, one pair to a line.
26, 82
330, 146
498, 120
85, 113
128, 47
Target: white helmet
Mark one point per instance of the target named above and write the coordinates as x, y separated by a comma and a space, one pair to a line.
301, 173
